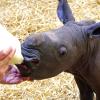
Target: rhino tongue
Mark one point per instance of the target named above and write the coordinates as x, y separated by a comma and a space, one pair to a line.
12, 76
12, 79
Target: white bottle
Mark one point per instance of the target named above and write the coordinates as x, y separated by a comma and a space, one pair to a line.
7, 39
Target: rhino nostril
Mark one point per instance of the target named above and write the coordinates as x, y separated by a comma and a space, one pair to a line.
35, 61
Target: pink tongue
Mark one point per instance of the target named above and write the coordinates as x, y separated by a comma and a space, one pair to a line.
12, 79
13, 75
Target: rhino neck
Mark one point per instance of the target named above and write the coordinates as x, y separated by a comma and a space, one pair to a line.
87, 49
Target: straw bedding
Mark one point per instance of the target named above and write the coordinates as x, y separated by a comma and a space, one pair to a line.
21, 17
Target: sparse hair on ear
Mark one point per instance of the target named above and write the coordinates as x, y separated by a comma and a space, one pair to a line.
64, 12
93, 31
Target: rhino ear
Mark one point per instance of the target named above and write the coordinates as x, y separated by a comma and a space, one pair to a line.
93, 30
64, 12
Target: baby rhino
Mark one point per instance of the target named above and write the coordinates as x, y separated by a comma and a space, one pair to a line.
73, 48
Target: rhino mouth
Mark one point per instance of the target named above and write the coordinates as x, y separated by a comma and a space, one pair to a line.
18, 73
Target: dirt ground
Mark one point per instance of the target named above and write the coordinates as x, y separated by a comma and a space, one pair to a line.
21, 17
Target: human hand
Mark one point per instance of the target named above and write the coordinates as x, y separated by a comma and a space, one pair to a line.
5, 58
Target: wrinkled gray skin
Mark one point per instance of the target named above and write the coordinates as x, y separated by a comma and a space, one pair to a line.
73, 48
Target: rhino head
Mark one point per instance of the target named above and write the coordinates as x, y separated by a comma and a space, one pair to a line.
47, 54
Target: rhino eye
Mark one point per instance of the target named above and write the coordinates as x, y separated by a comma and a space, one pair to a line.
62, 51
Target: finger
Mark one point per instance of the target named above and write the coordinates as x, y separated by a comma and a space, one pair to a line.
8, 58
5, 53
3, 70
5, 62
